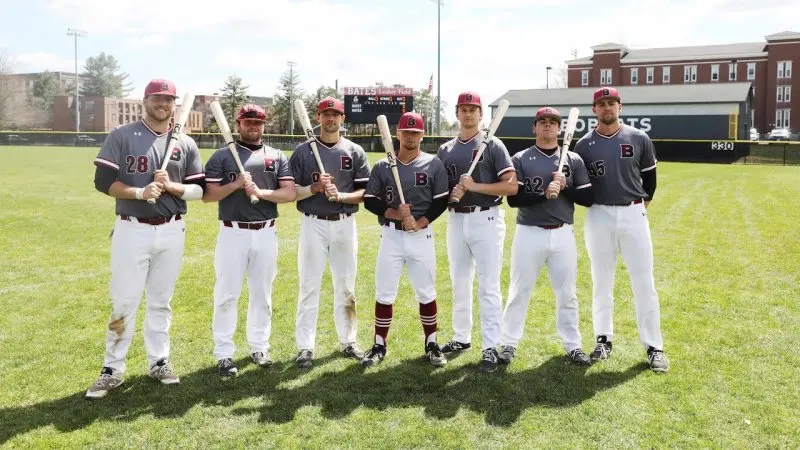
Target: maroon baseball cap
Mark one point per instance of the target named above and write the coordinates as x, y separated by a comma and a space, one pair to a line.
411, 121
330, 103
252, 111
469, 98
160, 87
608, 92
547, 112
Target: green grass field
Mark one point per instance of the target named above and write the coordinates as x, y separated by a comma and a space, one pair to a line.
727, 255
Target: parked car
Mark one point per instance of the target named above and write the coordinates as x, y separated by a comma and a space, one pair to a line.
780, 134
83, 139
753, 134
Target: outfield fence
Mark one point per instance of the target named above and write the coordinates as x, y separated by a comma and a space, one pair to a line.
682, 150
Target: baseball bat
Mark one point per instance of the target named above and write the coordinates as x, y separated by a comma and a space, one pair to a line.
225, 129
572, 121
502, 107
302, 115
388, 146
177, 129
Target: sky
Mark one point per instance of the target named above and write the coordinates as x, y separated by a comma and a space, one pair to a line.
488, 46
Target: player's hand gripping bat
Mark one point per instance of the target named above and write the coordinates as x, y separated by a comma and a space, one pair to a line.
302, 115
177, 129
222, 122
388, 146
572, 122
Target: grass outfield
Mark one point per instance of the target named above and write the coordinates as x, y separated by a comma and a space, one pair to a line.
727, 259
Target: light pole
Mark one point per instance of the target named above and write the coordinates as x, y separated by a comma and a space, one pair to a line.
76, 33
548, 77
438, 65
291, 65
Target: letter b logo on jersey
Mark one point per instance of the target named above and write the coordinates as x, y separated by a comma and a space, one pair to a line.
420, 179
176, 154
625, 151
269, 165
347, 163
475, 153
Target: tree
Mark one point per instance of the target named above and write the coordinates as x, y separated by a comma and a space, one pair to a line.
5, 86
558, 78
288, 90
234, 96
44, 90
102, 78
312, 100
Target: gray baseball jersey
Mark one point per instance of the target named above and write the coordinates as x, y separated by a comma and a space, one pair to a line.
136, 152
534, 172
345, 161
267, 166
457, 156
423, 180
615, 164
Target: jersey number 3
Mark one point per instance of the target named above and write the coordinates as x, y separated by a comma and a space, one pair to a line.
137, 164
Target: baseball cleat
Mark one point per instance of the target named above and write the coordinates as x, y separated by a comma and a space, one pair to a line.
107, 381
261, 359
434, 354
489, 360
374, 355
602, 350
455, 346
226, 368
657, 360
578, 357
304, 358
164, 372
352, 350
506, 354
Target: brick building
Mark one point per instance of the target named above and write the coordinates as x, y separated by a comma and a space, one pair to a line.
23, 114
766, 65
102, 114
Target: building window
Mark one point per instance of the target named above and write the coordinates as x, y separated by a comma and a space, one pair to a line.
584, 77
650, 75
689, 74
732, 72
782, 118
634, 76
780, 94
605, 76
665, 75
787, 93
751, 71
784, 69
715, 72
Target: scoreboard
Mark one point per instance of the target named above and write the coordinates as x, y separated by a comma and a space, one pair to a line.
365, 104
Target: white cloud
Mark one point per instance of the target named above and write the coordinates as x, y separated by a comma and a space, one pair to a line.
41, 61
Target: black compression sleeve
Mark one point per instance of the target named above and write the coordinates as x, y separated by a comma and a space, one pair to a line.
375, 206
438, 206
359, 185
104, 177
525, 199
649, 183
583, 197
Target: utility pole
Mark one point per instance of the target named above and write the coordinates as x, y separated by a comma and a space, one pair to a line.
438, 66
548, 77
76, 33
291, 65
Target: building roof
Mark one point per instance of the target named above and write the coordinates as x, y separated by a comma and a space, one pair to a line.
724, 51
783, 35
657, 94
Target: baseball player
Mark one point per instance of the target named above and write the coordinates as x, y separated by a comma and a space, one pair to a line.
148, 240
328, 229
406, 236
476, 228
621, 162
246, 243
544, 235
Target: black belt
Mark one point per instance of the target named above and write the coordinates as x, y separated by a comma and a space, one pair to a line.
151, 220
397, 224
250, 225
550, 227
331, 217
468, 209
635, 202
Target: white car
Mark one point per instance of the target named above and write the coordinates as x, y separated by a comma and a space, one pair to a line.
753, 134
779, 134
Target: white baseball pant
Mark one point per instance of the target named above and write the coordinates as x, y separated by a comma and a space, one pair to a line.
623, 228
144, 259
239, 253
320, 241
534, 247
475, 242
417, 252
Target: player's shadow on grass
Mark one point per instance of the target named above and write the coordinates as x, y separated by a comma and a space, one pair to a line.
502, 397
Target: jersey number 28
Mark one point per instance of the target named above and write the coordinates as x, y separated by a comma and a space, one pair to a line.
138, 164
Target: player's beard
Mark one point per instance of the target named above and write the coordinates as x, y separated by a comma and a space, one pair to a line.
158, 114
251, 137
610, 119
331, 127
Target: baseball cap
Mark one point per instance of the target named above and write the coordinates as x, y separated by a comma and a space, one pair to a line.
251, 111
602, 93
160, 87
411, 121
468, 98
547, 112
330, 103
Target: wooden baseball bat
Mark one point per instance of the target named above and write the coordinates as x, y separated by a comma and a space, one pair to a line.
572, 122
502, 107
225, 129
302, 115
177, 129
388, 146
